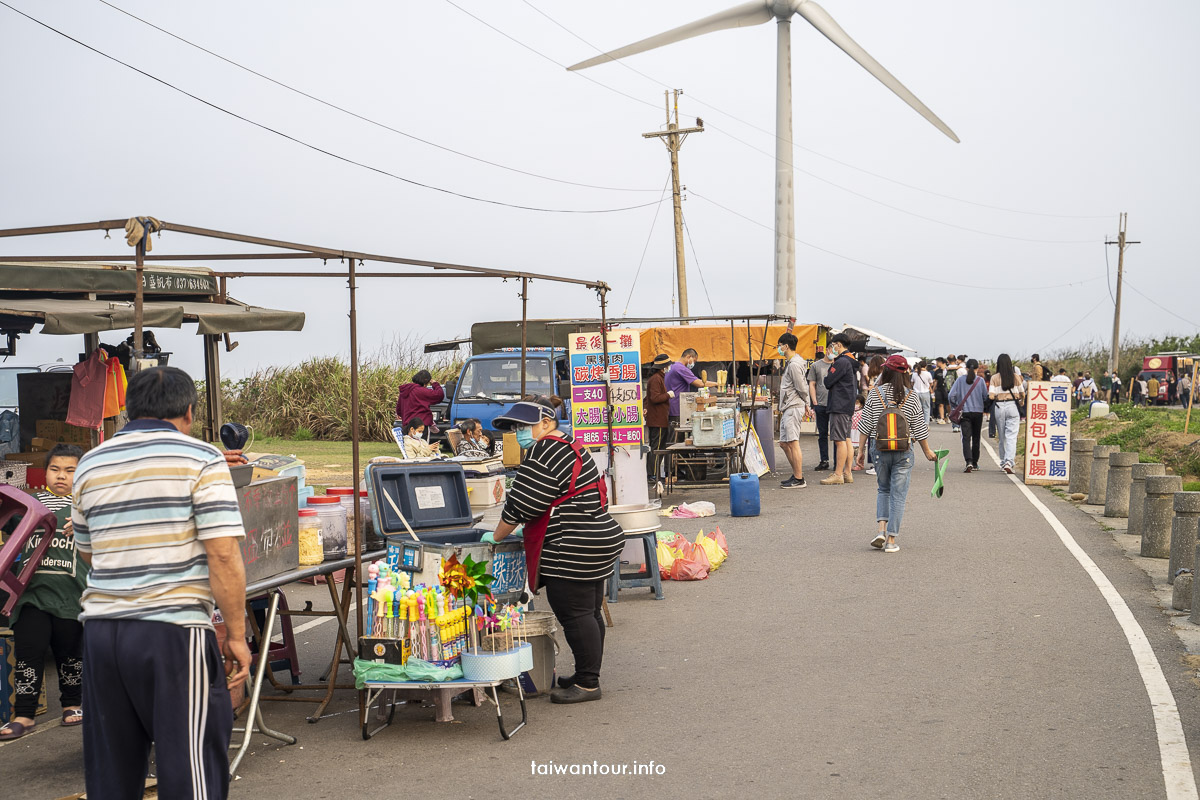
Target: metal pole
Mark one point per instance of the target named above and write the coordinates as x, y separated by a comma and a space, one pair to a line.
138, 309
733, 354
354, 433
608, 406
785, 218
524, 328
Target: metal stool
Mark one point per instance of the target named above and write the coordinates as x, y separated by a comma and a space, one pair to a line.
33, 515
636, 580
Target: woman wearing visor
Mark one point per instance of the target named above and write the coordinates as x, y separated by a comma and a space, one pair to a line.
571, 542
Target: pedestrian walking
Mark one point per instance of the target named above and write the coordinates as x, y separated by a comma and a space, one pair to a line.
818, 395
1117, 386
1086, 389
968, 395
1171, 389
923, 385
793, 403
571, 542
866, 453
941, 397
842, 383
1104, 389
1185, 389
1007, 391
657, 410
894, 418
157, 516
988, 406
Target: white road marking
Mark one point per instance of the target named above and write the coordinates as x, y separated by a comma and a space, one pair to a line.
322, 620
1172, 746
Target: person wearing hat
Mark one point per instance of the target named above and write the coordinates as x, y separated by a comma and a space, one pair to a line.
571, 542
657, 411
893, 467
842, 383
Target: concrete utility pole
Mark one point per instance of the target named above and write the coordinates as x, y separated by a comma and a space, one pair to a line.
1114, 356
673, 138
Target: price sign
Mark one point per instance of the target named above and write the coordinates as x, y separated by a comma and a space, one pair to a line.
590, 404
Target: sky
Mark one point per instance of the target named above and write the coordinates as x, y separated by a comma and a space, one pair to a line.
1068, 112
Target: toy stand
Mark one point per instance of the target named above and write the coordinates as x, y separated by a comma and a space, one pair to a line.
373, 690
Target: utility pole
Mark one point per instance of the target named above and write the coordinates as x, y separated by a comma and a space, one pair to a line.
1114, 356
673, 138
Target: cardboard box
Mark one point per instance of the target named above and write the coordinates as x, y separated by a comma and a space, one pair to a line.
36, 460
40, 445
49, 429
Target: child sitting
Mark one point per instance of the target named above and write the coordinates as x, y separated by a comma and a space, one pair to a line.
415, 445
46, 615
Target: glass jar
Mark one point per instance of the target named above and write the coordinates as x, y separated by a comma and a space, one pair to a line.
365, 528
332, 515
312, 551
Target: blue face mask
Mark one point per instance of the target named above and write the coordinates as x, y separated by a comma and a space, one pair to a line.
525, 438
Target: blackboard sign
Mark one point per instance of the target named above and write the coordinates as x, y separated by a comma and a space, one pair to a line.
271, 520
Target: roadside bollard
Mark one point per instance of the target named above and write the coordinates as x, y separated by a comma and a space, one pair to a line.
1181, 592
1195, 616
1081, 465
1137, 493
1157, 516
1120, 476
1183, 532
1098, 480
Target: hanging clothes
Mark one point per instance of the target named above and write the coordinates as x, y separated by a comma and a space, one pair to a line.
114, 393
88, 384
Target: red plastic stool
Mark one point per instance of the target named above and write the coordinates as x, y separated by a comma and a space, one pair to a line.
282, 654
34, 515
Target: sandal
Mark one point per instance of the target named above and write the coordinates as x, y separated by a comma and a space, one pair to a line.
15, 730
72, 717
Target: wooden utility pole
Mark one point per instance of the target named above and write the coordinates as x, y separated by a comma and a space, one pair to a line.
1114, 356
673, 138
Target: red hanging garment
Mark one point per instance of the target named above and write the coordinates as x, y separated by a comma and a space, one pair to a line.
86, 407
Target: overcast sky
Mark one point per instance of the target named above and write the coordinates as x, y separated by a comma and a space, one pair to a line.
1069, 112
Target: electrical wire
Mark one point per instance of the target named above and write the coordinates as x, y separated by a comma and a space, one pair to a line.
696, 261
302, 143
362, 117
1108, 276
646, 247
1046, 347
894, 271
1160, 306
848, 165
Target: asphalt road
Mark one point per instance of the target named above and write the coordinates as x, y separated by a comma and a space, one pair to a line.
978, 662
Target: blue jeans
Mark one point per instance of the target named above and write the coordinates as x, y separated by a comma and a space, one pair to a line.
892, 473
822, 431
1008, 423
926, 405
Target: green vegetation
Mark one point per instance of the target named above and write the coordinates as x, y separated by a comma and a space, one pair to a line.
1155, 434
326, 463
1093, 356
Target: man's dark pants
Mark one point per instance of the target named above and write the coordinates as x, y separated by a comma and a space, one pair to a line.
154, 682
822, 431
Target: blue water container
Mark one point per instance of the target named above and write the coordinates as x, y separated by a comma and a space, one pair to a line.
743, 495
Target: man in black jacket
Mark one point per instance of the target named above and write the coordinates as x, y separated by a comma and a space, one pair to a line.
842, 383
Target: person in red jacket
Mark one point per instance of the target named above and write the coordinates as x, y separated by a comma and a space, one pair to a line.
415, 399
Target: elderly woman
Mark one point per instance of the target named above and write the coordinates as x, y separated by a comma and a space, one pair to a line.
571, 543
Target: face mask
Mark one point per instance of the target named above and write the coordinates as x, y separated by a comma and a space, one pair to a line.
780, 349
525, 438
833, 353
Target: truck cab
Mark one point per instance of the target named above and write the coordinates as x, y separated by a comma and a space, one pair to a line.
489, 384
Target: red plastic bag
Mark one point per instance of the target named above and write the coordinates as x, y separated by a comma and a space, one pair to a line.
690, 567
719, 538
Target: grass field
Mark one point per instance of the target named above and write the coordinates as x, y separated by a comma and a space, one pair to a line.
327, 463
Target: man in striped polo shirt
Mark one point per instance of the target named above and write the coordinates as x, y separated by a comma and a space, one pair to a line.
157, 517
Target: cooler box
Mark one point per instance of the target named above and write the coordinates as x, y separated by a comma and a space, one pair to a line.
714, 428
486, 492
432, 496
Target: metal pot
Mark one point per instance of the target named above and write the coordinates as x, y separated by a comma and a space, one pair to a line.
637, 517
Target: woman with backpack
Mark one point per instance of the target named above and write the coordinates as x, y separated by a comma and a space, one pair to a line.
895, 418
967, 396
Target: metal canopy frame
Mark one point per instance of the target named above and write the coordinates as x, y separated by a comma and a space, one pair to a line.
294, 250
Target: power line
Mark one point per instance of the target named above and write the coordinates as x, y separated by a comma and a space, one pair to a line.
810, 150
361, 117
696, 261
893, 271
1108, 275
646, 247
1161, 307
313, 147
1046, 347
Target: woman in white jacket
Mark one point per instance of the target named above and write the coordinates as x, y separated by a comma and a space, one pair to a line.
1007, 391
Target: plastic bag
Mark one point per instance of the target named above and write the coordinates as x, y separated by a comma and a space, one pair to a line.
414, 670
689, 569
719, 538
708, 546
419, 670
666, 557
701, 508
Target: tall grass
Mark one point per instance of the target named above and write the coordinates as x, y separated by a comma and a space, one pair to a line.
1093, 356
312, 399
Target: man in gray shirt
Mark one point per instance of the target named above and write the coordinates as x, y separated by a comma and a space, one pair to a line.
793, 402
819, 396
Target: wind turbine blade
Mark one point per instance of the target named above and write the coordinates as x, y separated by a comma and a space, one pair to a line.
819, 18
755, 12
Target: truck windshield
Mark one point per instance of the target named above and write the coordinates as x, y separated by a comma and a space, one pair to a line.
8, 384
500, 379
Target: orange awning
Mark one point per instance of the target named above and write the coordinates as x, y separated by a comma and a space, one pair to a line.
712, 342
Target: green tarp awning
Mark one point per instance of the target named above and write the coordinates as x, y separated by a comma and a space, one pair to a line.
92, 316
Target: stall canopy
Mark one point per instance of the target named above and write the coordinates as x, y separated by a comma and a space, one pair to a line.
60, 316
711, 342
881, 342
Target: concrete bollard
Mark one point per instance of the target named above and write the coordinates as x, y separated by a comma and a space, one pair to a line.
1120, 477
1158, 513
1181, 593
1081, 465
1186, 506
1137, 493
1195, 617
1098, 480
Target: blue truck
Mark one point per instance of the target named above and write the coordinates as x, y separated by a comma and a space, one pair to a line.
489, 384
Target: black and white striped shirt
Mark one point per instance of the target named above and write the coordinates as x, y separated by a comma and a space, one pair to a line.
914, 414
582, 540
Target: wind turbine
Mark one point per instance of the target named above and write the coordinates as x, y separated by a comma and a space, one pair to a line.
758, 12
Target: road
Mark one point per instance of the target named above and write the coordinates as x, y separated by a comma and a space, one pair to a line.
981, 661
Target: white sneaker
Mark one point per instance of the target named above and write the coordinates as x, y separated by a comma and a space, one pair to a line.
870, 471
879, 541
891, 547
